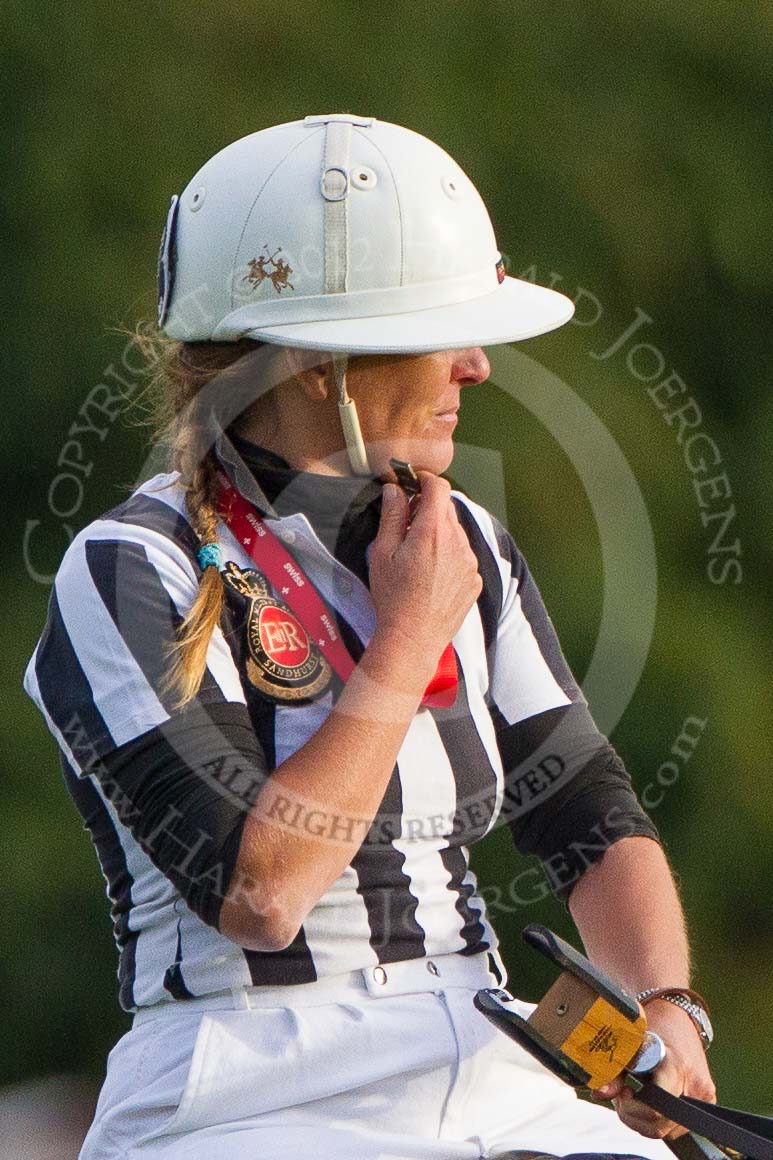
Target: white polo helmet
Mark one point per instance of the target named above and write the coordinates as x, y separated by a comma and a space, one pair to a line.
341, 233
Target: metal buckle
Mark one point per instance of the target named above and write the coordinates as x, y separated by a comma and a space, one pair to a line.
331, 196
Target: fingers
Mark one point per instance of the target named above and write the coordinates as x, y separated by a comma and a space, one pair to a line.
427, 563
436, 511
434, 502
609, 1091
394, 520
702, 1090
634, 1114
645, 1120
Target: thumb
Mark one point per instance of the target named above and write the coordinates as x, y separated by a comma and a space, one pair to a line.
394, 519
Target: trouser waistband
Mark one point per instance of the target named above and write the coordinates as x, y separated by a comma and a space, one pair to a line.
433, 973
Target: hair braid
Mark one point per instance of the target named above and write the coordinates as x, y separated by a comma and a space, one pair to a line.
177, 373
189, 651
185, 417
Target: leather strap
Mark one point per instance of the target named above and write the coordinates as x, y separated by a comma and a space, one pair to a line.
749, 1134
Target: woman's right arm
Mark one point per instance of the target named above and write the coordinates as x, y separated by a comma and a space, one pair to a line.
314, 811
250, 850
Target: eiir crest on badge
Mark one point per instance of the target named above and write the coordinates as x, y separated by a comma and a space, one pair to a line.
282, 661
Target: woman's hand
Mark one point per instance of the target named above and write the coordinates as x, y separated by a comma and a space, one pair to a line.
424, 577
683, 1072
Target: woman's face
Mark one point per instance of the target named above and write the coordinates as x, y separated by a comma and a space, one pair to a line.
408, 404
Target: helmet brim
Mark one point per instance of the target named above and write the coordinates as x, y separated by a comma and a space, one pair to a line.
514, 311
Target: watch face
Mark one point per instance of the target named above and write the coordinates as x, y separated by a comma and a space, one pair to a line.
704, 1022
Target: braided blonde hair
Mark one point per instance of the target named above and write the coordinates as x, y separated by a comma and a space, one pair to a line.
177, 373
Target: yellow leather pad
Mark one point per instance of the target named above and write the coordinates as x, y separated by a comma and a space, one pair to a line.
604, 1042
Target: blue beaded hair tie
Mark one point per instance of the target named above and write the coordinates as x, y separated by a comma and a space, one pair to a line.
209, 555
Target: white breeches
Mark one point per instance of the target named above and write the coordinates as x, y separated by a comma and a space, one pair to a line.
389, 1063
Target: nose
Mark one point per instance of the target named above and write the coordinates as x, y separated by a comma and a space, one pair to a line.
470, 366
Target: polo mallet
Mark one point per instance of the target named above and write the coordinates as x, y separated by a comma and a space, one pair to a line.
588, 1031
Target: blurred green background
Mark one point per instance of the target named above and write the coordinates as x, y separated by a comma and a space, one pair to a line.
622, 148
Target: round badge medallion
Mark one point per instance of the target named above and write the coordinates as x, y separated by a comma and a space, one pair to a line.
282, 637
282, 661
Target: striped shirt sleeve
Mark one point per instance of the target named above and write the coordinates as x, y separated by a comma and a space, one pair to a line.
181, 781
99, 671
568, 796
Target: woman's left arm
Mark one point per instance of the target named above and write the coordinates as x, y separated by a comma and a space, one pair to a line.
598, 848
627, 911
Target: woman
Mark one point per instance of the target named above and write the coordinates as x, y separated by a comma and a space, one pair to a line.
281, 759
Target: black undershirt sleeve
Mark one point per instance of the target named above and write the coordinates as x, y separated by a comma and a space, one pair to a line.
568, 796
184, 790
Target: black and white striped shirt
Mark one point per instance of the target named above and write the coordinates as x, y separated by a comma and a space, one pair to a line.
164, 792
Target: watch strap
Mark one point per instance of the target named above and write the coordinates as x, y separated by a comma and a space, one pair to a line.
651, 993
691, 1002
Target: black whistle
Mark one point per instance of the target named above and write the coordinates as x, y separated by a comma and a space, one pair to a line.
407, 478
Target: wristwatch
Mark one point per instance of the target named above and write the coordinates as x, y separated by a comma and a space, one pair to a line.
690, 1001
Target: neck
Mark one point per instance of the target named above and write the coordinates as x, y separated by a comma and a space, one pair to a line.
325, 498
335, 463
310, 442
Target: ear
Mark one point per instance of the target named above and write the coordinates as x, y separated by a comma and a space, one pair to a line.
312, 377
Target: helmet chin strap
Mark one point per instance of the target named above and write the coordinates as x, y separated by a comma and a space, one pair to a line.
350, 424
334, 186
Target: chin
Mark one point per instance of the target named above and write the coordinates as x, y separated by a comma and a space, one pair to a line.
433, 455
437, 456
427, 454
437, 464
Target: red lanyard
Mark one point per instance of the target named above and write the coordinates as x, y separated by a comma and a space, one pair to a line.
291, 583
